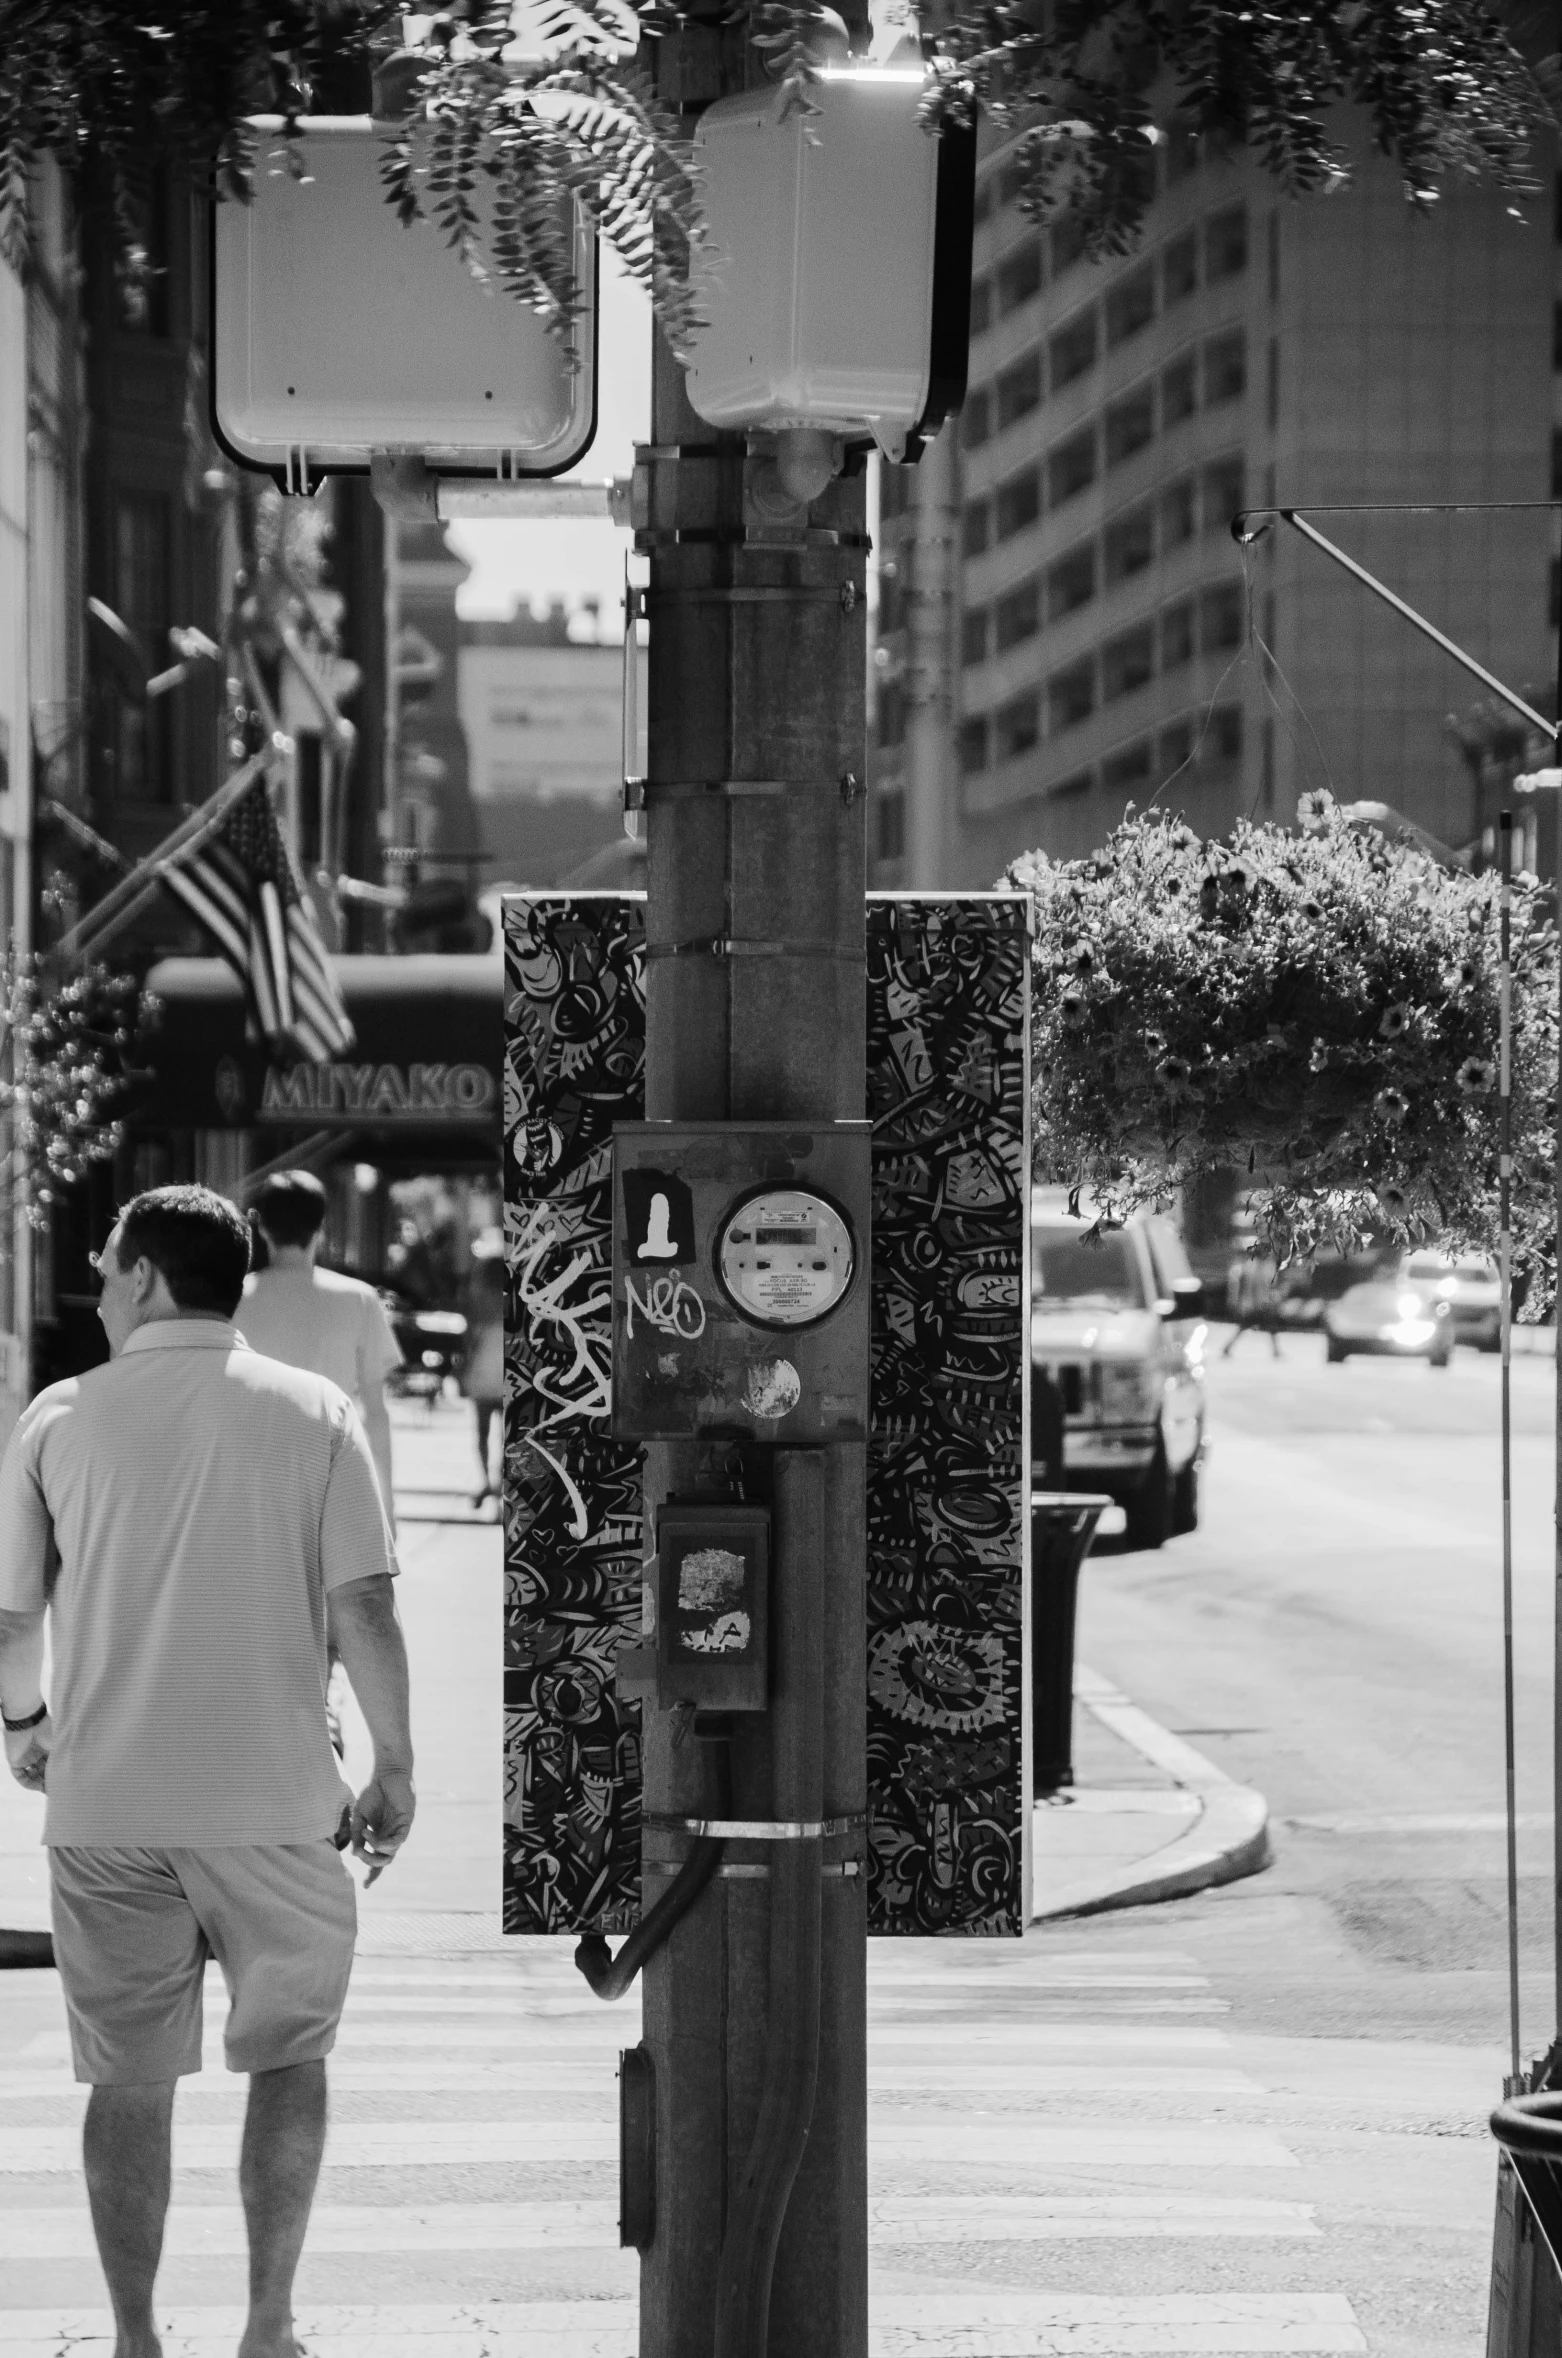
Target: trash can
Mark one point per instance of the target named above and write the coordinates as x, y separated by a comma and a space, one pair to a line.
1062, 1525
1524, 2318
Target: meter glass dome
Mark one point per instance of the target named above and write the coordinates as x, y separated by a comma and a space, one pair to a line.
785, 1256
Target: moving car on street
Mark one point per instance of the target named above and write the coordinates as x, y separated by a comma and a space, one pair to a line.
1468, 1284
1117, 1340
1390, 1315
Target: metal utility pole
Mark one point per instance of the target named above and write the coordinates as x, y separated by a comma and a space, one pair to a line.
932, 667
755, 2009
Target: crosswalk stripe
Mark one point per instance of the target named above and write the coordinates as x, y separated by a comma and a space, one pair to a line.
974, 2324
213, 2231
622, 2029
953, 2138
548, 2073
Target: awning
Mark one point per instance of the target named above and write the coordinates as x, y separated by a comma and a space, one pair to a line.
423, 1080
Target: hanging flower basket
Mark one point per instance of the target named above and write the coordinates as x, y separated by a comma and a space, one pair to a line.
1317, 1011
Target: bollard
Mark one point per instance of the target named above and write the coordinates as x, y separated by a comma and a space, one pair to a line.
1062, 1525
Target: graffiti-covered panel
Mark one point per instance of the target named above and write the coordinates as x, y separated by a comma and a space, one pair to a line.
574, 1061
948, 1478
947, 1471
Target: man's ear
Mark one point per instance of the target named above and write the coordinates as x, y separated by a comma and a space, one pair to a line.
143, 1279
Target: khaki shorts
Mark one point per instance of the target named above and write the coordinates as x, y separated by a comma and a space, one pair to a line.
133, 1930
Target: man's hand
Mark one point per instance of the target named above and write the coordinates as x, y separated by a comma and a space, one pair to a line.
382, 1819
27, 1752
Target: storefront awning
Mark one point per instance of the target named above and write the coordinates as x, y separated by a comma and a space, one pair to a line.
424, 1077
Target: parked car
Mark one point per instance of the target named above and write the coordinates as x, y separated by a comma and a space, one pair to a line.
1390, 1315
1304, 1292
1117, 1338
1469, 1285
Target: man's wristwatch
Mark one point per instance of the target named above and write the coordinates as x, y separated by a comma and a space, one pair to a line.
16, 1727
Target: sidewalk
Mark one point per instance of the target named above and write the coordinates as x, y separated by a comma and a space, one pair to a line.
1147, 1817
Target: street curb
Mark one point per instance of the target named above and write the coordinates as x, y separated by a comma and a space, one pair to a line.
1229, 1838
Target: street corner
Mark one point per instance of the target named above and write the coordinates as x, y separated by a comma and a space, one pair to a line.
1148, 1818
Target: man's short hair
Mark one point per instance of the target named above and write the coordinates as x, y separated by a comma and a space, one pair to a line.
291, 1207
196, 1238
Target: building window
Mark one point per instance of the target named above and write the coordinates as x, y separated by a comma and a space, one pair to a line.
1018, 726
1224, 491
1225, 244
973, 535
1129, 543
892, 716
1126, 663
1130, 424
981, 306
1177, 513
1180, 268
1079, 782
973, 635
1019, 276
1556, 466
141, 599
1176, 747
1019, 615
1019, 390
1069, 241
894, 490
1223, 737
1071, 582
1130, 306
1267, 761
1018, 503
1273, 401
1220, 618
1225, 368
892, 824
1073, 349
1128, 768
1071, 467
1071, 695
976, 420
1177, 636
1179, 392
1184, 151
973, 744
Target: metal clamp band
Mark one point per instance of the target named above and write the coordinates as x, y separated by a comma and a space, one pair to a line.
756, 1870
757, 1829
709, 789
838, 593
718, 945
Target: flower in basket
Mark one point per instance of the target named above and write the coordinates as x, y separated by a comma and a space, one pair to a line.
1477, 1076
1313, 1008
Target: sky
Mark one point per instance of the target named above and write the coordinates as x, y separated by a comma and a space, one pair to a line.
517, 563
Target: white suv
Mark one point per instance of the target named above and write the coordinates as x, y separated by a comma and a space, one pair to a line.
1116, 1342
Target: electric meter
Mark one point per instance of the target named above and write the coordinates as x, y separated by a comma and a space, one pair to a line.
785, 1257
740, 1281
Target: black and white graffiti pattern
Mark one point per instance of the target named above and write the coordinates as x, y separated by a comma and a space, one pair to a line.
947, 988
574, 1058
946, 1033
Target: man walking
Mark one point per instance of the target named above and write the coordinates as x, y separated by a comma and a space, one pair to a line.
318, 1318
193, 1515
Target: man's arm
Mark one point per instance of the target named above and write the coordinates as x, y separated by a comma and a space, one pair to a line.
21, 1692
366, 1632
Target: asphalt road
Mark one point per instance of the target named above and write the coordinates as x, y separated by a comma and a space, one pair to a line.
1332, 1635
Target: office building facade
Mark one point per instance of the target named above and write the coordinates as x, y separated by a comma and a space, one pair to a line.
1065, 623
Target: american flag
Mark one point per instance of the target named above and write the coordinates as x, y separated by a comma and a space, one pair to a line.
240, 882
